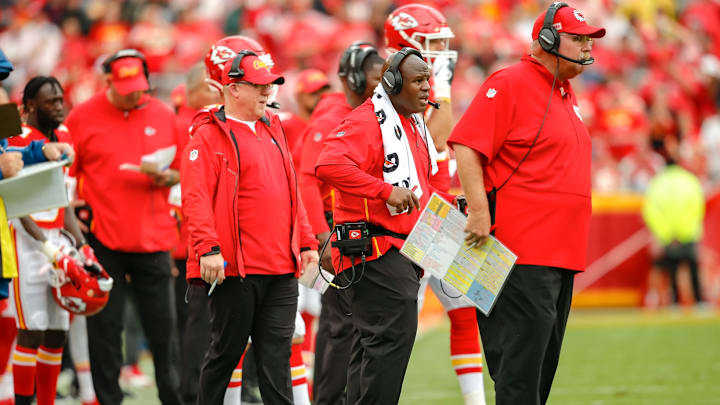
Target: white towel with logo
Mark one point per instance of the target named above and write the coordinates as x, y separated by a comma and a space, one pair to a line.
399, 167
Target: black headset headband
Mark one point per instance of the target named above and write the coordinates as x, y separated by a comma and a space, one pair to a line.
351, 65
126, 53
236, 72
548, 36
392, 78
400, 56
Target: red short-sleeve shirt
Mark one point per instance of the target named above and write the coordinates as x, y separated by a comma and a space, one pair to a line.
543, 211
130, 213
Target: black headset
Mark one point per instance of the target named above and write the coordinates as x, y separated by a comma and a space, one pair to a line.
549, 37
392, 78
351, 65
126, 53
236, 72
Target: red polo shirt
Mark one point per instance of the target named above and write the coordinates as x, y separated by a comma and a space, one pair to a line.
130, 213
352, 161
543, 212
183, 121
265, 228
317, 195
294, 128
54, 218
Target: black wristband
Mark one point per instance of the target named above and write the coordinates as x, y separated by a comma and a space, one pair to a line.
215, 250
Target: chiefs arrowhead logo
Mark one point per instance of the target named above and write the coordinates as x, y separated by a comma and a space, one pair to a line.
354, 234
221, 54
403, 21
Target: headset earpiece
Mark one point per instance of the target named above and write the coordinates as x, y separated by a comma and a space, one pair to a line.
126, 53
351, 64
548, 37
236, 72
392, 78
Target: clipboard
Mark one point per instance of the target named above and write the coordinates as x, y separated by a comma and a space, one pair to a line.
10, 124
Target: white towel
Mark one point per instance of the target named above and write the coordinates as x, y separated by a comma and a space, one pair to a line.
399, 167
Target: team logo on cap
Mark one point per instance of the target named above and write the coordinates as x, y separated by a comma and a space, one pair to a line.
317, 137
403, 21
339, 134
150, 131
578, 15
193, 155
259, 64
128, 71
491, 93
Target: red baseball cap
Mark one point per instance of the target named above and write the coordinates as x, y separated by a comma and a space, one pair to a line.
570, 20
128, 75
255, 71
311, 80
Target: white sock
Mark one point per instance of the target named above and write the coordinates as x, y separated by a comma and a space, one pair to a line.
85, 386
301, 396
81, 357
7, 391
232, 396
471, 385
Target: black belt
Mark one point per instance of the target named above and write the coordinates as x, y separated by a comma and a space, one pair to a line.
377, 230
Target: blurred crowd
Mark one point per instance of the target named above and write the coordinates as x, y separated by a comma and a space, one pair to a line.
655, 79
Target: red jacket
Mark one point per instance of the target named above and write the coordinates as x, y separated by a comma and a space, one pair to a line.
209, 193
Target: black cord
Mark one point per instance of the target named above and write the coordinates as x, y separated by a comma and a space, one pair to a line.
445, 292
537, 135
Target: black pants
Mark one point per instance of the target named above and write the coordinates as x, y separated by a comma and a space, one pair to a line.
262, 307
524, 332
332, 348
195, 340
676, 254
384, 314
151, 289
179, 290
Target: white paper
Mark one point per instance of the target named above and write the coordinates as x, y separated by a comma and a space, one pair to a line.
35, 188
437, 244
159, 160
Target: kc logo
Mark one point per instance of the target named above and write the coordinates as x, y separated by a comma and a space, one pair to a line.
354, 234
391, 163
221, 54
403, 21
381, 116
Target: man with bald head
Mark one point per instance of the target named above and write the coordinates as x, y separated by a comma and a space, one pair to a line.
379, 159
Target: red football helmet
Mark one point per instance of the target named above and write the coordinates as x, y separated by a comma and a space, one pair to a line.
415, 25
226, 49
82, 290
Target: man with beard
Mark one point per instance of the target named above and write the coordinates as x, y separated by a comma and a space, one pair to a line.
42, 323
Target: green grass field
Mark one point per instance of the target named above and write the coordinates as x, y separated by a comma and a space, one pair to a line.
619, 357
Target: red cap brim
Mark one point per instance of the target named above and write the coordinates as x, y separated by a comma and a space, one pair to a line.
589, 30
131, 84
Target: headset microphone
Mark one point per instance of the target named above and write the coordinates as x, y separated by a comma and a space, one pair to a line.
435, 105
274, 105
584, 62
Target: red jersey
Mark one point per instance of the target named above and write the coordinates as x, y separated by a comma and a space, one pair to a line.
183, 122
130, 213
543, 211
224, 198
294, 128
352, 161
54, 218
317, 195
